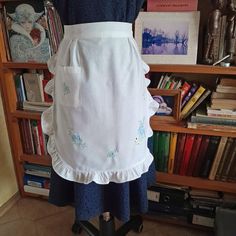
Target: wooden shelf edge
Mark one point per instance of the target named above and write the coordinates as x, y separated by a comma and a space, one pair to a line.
196, 182
18, 65
36, 159
198, 69
180, 128
26, 115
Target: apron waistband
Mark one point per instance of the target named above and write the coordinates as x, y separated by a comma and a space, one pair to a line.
98, 30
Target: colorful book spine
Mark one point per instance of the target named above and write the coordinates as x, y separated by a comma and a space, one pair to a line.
192, 101
218, 157
173, 143
189, 95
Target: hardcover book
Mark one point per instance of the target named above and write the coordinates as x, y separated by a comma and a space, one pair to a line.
27, 31
172, 5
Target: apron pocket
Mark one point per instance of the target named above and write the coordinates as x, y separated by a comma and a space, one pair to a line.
68, 80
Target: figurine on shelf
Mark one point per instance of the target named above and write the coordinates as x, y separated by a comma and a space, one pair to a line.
213, 26
230, 35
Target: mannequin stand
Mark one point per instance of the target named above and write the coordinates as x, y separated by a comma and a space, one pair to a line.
107, 228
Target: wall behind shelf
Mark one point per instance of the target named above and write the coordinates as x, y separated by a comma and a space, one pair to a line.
8, 184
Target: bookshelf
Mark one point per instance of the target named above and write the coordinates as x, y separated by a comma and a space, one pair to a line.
7, 71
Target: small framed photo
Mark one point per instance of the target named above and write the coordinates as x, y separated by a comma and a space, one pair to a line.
169, 101
168, 37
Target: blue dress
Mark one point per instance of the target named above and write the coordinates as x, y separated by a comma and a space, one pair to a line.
91, 200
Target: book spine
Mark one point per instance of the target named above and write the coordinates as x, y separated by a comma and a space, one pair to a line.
189, 95
184, 89
173, 142
186, 154
217, 158
192, 101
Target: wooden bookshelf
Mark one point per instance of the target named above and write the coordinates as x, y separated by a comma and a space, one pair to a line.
26, 115
15, 65
196, 182
36, 159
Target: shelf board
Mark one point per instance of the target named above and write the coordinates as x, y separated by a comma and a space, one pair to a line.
37, 159
198, 69
196, 182
18, 65
181, 128
26, 115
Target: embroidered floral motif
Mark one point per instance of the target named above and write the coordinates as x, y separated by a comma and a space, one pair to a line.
141, 132
66, 89
76, 139
112, 153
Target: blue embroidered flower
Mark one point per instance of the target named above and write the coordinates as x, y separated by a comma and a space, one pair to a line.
76, 139
141, 132
112, 153
66, 89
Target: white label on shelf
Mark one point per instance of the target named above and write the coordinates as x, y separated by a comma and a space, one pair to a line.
153, 196
203, 220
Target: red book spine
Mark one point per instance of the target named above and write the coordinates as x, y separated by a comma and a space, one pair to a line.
194, 154
179, 152
41, 139
201, 155
184, 89
187, 152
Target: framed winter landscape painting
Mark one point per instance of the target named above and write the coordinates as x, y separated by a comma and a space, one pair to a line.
168, 37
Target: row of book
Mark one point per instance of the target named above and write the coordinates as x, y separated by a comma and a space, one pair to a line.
30, 44
37, 179
30, 90
194, 206
192, 93
203, 156
33, 139
220, 113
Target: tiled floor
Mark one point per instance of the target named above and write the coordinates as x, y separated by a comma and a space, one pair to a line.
33, 217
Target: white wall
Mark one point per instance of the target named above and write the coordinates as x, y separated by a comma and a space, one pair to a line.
8, 184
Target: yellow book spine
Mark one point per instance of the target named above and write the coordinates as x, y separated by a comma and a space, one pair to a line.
192, 101
171, 159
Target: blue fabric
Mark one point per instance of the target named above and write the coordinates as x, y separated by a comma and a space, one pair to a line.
87, 11
91, 200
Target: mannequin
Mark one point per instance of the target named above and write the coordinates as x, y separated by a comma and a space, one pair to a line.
99, 152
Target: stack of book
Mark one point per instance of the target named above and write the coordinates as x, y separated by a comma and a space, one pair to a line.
30, 91
37, 179
34, 141
192, 93
221, 113
204, 156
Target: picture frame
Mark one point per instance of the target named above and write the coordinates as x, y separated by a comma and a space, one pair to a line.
169, 104
168, 37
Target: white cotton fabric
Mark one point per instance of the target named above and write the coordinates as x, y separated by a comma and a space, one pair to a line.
98, 125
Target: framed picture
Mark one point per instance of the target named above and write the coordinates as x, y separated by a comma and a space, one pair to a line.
168, 37
169, 104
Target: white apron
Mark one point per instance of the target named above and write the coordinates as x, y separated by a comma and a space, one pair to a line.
98, 125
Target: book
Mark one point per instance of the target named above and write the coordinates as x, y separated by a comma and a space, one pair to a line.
179, 151
225, 89
212, 127
186, 153
171, 159
223, 95
194, 154
218, 158
36, 181
226, 153
184, 89
192, 90
212, 120
228, 82
192, 101
155, 148
163, 151
172, 5
220, 103
201, 155
35, 190
33, 87
38, 170
27, 44
199, 101
209, 156
228, 162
